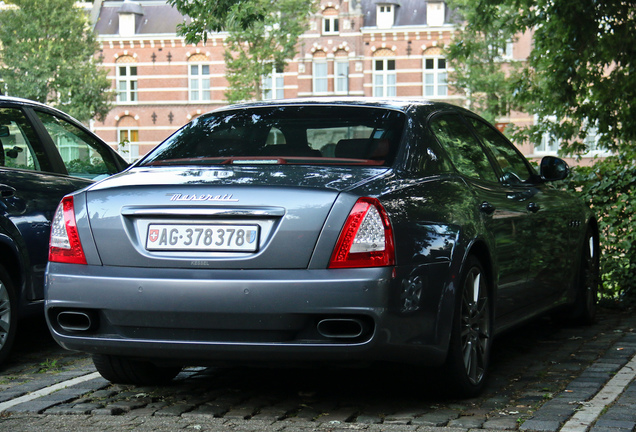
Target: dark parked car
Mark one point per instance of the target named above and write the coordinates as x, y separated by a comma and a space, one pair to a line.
327, 230
44, 155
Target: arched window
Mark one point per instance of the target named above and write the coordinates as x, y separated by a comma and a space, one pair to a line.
384, 74
199, 78
320, 73
435, 73
126, 79
341, 67
330, 22
128, 136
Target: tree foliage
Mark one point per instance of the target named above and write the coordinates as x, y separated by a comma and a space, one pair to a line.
477, 56
262, 36
48, 54
580, 75
608, 187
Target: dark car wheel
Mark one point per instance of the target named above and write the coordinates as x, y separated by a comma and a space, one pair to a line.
122, 370
471, 338
588, 280
8, 314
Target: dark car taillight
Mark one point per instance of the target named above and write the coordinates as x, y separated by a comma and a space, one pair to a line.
65, 245
366, 239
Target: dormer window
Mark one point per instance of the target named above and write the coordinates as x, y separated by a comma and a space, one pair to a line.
385, 15
129, 13
435, 13
330, 22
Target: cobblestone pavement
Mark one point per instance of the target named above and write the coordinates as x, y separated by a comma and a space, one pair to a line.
543, 378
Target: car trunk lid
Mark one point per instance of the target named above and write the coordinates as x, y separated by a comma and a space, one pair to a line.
216, 217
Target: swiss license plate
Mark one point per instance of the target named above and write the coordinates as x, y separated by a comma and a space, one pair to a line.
202, 237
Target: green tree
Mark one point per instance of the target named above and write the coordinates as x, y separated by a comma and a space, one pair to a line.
262, 37
48, 54
481, 70
580, 75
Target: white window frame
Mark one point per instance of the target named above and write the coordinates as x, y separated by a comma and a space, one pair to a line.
131, 152
127, 88
330, 25
320, 81
273, 86
385, 79
435, 79
199, 82
342, 76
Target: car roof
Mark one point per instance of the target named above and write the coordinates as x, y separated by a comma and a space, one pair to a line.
35, 104
387, 103
22, 101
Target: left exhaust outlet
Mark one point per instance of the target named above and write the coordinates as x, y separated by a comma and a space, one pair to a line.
74, 321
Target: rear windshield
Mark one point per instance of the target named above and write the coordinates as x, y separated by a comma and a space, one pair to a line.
310, 135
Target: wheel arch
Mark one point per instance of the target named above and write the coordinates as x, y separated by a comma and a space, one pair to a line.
11, 260
479, 249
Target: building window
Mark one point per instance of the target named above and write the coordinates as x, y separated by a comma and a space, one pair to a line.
384, 78
548, 145
435, 77
199, 79
128, 136
320, 77
126, 83
385, 16
435, 13
342, 76
330, 22
273, 86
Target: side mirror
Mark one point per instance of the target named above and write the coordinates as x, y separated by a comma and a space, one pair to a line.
553, 168
4, 131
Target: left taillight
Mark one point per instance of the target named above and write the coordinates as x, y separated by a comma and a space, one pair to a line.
366, 239
65, 245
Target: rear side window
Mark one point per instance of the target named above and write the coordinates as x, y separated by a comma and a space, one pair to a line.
19, 145
465, 151
309, 135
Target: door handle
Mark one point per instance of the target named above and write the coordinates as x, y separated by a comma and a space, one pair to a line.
534, 207
487, 208
6, 191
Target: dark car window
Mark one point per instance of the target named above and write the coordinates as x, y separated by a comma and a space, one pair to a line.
325, 135
83, 156
462, 146
19, 145
514, 168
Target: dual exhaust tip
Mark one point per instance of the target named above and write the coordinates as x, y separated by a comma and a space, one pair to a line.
329, 328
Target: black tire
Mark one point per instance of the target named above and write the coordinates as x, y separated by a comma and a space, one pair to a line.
8, 314
123, 370
468, 358
587, 281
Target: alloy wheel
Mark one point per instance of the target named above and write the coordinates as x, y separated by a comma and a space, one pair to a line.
5, 314
475, 326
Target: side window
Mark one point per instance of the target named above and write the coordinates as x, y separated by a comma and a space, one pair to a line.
514, 168
83, 156
19, 146
464, 149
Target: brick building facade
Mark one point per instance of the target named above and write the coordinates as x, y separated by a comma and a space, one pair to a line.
352, 48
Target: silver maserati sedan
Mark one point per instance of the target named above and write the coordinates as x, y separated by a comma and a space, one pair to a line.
307, 231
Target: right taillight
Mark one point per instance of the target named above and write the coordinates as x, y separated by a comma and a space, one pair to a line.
366, 239
65, 245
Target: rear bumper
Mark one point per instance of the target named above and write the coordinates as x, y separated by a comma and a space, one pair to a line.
200, 317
